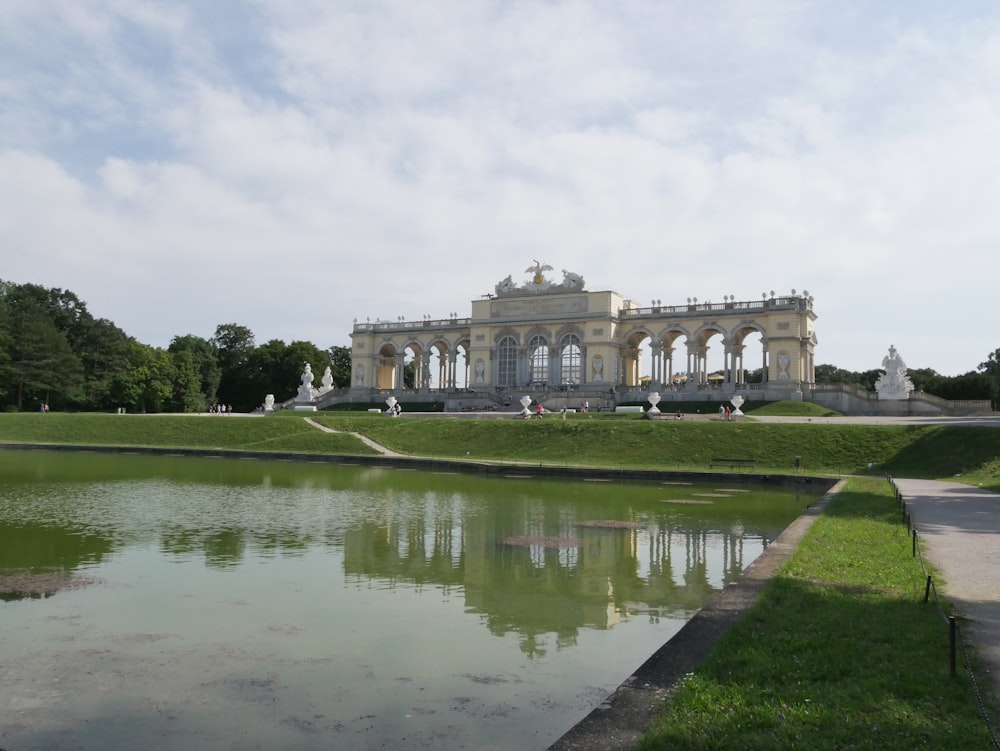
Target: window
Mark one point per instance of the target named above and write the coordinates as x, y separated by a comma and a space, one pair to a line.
571, 359
507, 362
538, 359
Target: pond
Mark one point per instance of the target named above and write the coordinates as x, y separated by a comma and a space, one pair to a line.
200, 603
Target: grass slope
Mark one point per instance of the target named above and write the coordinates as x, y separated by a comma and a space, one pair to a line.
970, 454
840, 652
176, 431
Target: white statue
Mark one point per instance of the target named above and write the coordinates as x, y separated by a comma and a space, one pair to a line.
306, 392
598, 365
538, 272
505, 285
269, 403
654, 399
327, 380
894, 383
572, 281
737, 402
783, 361
525, 406
480, 371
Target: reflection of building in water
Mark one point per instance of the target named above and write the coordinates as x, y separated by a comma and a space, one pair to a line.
542, 572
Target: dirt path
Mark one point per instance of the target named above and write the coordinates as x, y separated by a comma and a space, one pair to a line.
364, 439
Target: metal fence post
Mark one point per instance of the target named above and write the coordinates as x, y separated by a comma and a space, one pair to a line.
952, 631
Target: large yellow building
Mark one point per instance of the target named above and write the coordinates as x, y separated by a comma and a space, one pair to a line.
557, 338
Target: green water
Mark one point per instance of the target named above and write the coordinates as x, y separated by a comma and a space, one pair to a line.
168, 602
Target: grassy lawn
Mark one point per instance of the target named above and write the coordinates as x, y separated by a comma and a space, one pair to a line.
841, 652
968, 454
176, 431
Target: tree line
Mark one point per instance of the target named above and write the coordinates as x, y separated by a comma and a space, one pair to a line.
54, 352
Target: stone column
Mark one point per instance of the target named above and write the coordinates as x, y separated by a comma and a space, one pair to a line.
425, 370
736, 353
397, 384
656, 375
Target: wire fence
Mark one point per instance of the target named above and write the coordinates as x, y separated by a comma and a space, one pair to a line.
956, 642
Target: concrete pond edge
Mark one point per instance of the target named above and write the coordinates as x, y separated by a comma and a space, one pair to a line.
622, 720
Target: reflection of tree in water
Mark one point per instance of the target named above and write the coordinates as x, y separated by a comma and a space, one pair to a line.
227, 547
224, 549
41, 559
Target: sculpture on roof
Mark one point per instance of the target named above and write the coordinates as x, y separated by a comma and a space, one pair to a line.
538, 269
538, 283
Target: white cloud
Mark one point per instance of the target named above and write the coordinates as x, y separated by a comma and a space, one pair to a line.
291, 168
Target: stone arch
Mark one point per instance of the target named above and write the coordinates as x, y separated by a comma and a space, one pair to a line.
439, 373
670, 360
740, 361
699, 349
414, 371
385, 366
507, 331
636, 354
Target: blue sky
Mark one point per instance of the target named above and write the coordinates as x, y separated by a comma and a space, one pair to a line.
292, 166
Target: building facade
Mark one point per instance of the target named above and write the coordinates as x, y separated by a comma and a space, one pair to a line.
556, 336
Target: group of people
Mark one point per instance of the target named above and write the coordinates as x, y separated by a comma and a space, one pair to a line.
725, 413
221, 409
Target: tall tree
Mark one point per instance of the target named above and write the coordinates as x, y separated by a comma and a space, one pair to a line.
42, 367
103, 350
205, 358
340, 366
186, 395
148, 383
234, 344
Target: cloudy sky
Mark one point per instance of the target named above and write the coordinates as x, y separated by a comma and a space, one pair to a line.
291, 165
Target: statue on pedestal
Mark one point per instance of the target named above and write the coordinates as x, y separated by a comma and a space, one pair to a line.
306, 392
654, 399
894, 383
737, 402
525, 406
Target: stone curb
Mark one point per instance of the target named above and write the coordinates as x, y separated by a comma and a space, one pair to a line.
623, 719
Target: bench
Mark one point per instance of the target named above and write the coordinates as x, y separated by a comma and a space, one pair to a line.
629, 408
732, 463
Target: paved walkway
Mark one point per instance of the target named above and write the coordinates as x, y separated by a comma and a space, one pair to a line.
958, 528
364, 439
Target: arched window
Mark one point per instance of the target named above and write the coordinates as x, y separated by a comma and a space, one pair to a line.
571, 359
538, 359
507, 362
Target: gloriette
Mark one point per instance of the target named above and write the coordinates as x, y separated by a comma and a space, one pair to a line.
549, 335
